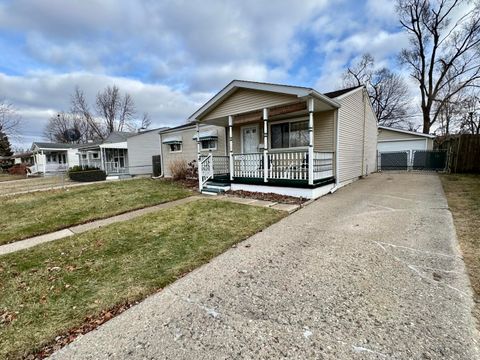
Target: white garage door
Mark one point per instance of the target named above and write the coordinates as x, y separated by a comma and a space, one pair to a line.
419, 144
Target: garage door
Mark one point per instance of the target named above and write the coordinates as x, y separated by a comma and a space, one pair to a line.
389, 146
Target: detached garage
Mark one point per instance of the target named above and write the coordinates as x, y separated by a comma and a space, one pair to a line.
390, 139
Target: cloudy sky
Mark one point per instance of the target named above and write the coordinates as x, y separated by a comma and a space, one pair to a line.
173, 55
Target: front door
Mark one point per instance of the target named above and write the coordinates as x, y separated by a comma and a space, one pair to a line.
250, 139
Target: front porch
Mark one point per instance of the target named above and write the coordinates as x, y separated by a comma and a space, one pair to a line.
286, 145
109, 158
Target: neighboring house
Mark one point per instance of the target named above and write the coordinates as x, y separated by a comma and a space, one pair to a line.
289, 140
23, 158
391, 140
52, 158
180, 144
110, 155
142, 147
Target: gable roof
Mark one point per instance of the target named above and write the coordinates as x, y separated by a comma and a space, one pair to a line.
118, 136
298, 91
337, 93
406, 132
46, 145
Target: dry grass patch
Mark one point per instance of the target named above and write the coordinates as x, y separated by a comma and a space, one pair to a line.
38, 213
463, 195
47, 290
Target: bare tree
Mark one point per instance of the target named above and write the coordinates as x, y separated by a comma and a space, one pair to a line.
145, 121
66, 128
81, 108
470, 120
116, 111
443, 50
388, 92
9, 118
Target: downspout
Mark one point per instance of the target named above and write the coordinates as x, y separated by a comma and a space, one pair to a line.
337, 141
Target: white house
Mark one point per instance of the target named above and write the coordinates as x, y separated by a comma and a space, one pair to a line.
142, 147
53, 158
290, 140
110, 155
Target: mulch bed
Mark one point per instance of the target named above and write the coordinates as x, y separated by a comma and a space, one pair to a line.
268, 197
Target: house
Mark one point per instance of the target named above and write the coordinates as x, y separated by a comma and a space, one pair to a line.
289, 140
391, 139
110, 155
23, 158
142, 147
180, 144
52, 158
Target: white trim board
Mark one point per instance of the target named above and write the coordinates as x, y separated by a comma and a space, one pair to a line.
308, 193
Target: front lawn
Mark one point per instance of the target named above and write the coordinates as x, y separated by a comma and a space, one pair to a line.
31, 214
8, 177
463, 195
49, 289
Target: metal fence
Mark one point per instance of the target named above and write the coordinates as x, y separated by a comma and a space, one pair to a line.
419, 160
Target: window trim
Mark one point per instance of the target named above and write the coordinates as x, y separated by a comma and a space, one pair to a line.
175, 151
292, 120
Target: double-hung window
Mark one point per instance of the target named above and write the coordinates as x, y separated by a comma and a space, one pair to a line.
289, 134
176, 147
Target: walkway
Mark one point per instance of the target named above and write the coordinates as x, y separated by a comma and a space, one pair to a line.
370, 272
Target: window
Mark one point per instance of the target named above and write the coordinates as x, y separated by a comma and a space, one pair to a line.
94, 155
84, 156
208, 144
289, 134
175, 147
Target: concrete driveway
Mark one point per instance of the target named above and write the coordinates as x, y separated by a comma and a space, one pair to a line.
370, 272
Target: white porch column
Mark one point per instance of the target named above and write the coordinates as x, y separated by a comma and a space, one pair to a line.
311, 106
230, 145
44, 160
200, 186
102, 159
265, 145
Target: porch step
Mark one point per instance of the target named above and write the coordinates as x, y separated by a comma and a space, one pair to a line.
212, 188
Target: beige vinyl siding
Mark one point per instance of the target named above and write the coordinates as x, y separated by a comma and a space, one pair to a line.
189, 147
141, 148
324, 131
350, 148
245, 100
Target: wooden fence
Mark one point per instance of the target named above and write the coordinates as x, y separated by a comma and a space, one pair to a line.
463, 152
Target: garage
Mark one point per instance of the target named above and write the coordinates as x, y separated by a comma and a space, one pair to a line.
390, 139
396, 147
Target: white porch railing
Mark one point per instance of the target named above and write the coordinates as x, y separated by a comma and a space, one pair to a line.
113, 167
288, 165
40, 168
322, 165
206, 168
248, 165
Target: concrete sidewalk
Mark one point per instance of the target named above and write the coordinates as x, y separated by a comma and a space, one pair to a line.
370, 272
78, 229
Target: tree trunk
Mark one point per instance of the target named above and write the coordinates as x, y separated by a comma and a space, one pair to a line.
426, 121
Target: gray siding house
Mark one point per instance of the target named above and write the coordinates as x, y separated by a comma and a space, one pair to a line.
141, 148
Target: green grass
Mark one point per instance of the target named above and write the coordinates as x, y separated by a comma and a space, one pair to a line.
463, 195
53, 287
27, 215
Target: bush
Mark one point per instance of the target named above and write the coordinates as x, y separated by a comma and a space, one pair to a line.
179, 169
87, 175
18, 169
192, 170
78, 168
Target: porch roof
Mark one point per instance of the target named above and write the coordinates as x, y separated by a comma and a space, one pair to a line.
298, 91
